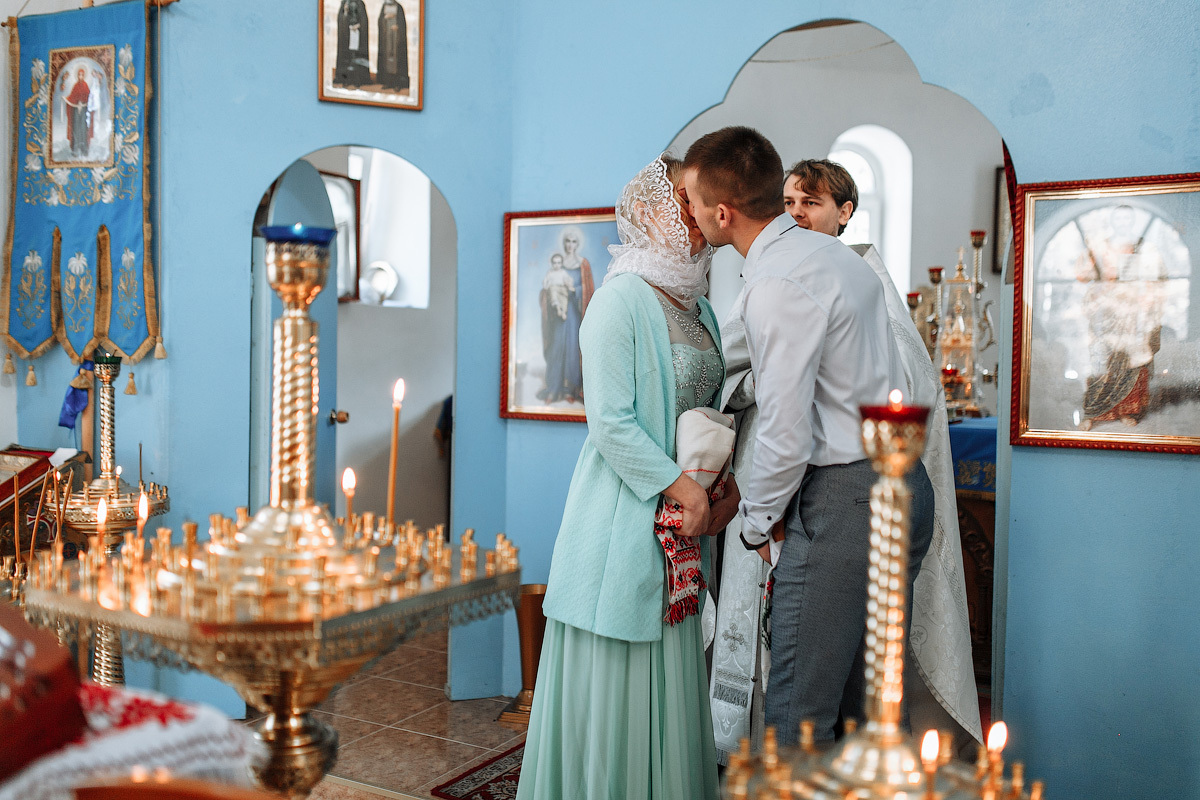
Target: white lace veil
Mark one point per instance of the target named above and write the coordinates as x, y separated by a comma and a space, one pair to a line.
654, 239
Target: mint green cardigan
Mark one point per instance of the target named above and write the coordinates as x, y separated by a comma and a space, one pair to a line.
607, 572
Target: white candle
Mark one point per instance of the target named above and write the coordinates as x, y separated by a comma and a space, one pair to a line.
348, 483
397, 402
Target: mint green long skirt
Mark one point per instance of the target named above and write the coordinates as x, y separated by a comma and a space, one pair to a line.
617, 720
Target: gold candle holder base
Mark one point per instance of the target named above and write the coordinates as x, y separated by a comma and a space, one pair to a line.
531, 625
301, 748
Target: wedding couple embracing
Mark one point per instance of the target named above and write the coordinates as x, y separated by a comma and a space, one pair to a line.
621, 707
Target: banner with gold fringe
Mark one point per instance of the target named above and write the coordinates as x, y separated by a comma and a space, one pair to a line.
77, 266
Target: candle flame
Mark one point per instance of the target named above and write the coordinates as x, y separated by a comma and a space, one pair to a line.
349, 481
930, 745
997, 737
398, 392
895, 398
141, 601
143, 508
102, 512
118, 471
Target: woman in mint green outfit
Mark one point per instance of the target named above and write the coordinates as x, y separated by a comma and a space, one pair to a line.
621, 706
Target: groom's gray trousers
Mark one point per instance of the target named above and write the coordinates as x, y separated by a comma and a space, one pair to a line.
819, 605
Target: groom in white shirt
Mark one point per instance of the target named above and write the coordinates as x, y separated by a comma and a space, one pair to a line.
820, 346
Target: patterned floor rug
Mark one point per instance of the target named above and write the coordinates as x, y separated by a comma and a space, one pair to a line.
492, 780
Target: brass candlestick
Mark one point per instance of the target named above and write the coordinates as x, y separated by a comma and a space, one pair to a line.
935, 319
121, 503
283, 605
914, 300
531, 626
880, 753
978, 240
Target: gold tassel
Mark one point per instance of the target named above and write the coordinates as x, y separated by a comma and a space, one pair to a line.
83, 380
131, 387
9, 367
159, 350
30, 377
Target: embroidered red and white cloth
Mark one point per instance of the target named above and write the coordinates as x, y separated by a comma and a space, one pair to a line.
704, 448
129, 728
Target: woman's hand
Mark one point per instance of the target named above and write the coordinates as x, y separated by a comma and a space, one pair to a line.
724, 510
694, 501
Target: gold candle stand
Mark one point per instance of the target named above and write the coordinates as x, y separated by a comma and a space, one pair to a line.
285, 604
121, 501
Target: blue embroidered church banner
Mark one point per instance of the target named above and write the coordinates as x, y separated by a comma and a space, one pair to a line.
77, 259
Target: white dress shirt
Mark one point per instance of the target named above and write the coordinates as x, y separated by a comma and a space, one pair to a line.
820, 346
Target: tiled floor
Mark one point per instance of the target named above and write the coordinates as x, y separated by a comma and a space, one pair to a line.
399, 733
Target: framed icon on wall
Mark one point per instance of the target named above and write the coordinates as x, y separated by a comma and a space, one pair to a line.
1106, 335
553, 262
372, 52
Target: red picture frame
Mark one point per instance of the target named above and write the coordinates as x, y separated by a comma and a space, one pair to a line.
541, 369
1105, 354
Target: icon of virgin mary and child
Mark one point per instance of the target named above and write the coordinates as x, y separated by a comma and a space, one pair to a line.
566, 291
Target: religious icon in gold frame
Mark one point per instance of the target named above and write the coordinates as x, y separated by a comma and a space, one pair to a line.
81, 107
553, 262
1106, 324
372, 52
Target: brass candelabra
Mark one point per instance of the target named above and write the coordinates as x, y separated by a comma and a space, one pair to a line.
879, 759
82, 512
957, 343
285, 604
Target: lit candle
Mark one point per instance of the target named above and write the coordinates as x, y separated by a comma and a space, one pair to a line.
997, 738
895, 410
397, 402
930, 748
17, 516
101, 518
143, 514
348, 484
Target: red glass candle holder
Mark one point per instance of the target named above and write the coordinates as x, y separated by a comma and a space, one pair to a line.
895, 412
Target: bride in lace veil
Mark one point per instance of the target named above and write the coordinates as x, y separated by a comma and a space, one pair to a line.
659, 239
620, 708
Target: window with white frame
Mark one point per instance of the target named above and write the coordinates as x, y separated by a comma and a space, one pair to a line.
881, 165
